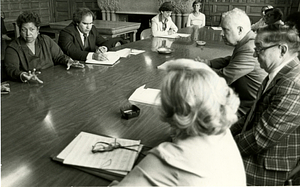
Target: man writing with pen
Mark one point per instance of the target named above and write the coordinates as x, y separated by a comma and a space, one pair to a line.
162, 24
80, 39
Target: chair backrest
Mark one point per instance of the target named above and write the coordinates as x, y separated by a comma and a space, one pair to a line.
16, 29
147, 33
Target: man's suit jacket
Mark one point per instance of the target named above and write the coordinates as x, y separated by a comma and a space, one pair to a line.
242, 71
270, 145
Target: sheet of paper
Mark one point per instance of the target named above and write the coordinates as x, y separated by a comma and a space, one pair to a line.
123, 53
136, 51
217, 28
81, 154
127, 51
175, 35
146, 95
112, 57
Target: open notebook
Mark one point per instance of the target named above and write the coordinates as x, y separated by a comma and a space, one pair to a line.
112, 56
112, 165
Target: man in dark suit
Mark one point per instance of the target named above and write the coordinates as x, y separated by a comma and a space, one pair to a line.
268, 137
81, 41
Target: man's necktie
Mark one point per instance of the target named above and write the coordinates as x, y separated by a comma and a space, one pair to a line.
85, 38
260, 92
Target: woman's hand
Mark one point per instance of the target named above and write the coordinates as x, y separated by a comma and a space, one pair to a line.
74, 63
31, 76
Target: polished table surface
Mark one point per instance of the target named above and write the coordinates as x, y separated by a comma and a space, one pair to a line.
40, 120
106, 28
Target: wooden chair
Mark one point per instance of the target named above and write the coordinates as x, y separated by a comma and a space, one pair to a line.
16, 29
147, 33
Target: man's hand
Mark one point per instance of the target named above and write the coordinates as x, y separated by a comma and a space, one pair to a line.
102, 49
205, 61
100, 56
74, 63
31, 76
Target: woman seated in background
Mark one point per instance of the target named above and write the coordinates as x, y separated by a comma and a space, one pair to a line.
196, 18
200, 108
162, 23
32, 52
274, 16
261, 22
293, 20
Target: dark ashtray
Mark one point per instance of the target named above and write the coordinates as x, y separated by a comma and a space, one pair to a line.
164, 50
130, 111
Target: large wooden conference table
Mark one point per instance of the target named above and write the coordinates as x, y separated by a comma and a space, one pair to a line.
105, 28
40, 120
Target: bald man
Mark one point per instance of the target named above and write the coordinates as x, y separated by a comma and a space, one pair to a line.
241, 70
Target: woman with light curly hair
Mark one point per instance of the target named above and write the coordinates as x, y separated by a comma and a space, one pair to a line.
200, 108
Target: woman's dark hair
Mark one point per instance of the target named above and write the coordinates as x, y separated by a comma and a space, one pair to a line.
28, 17
196, 2
293, 20
278, 14
80, 13
166, 6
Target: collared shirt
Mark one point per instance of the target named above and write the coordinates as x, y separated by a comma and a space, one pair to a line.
274, 73
81, 35
164, 22
90, 55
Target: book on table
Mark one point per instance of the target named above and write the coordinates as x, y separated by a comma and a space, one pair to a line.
111, 165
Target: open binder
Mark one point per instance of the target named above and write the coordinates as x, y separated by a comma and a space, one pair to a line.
111, 165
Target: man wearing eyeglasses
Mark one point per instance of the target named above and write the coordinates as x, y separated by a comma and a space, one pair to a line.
241, 70
268, 137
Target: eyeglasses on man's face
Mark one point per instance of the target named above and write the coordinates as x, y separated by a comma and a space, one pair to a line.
258, 50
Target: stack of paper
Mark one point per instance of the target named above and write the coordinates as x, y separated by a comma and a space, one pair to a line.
112, 165
146, 95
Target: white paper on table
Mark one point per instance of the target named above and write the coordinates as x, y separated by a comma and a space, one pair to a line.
80, 153
175, 35
112, 57
217, 28
136, 51
146, 95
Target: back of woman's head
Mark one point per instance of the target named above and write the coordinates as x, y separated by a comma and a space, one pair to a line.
281, 34
197, 101
28, 17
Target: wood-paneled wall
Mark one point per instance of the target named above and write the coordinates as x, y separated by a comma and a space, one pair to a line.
13, 8
58, 10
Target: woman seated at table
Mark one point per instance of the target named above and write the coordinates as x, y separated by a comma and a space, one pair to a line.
162, 23
196, 18
32, 52
274, 16
200, 108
